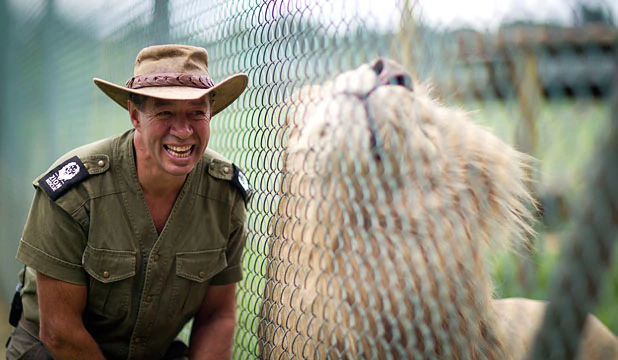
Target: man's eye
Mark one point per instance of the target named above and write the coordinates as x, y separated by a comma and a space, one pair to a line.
198, 113
164, 113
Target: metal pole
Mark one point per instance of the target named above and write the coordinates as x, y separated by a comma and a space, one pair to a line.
161, 22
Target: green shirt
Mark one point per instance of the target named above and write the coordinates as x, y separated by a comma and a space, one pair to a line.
142, 287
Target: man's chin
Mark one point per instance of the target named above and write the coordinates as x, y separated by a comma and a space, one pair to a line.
179, 170
178, 166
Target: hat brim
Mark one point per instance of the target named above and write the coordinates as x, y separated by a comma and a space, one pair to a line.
227, 91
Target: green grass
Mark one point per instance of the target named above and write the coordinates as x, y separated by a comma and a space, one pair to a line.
567, 132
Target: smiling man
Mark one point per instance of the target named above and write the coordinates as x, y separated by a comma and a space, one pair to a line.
130, 237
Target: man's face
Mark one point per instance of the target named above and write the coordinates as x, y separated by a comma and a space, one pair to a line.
172, 134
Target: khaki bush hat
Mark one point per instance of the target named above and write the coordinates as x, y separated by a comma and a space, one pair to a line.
175, 72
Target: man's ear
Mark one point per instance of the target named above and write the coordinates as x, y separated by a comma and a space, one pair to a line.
134, 115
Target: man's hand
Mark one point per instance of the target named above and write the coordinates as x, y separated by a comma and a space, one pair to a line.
61, 305
213, 327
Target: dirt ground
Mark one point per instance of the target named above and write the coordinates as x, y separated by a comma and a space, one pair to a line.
5, 328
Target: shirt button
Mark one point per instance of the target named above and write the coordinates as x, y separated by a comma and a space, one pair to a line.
87, 166
105, 274
137, 340
226, 170
101, 163
156, 257
202, 274
149, 298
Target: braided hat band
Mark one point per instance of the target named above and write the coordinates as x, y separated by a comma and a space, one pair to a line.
170, 79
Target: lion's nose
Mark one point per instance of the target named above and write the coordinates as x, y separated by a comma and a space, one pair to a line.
391, 73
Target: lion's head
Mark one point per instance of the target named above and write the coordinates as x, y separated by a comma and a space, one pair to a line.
389, 202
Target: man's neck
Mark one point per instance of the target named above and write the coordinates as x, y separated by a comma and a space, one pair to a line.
155, 182
160, 191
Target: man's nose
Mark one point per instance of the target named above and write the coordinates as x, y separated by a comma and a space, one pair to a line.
181, 127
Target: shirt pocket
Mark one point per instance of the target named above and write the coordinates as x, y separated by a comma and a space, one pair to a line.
111, 276
193, 273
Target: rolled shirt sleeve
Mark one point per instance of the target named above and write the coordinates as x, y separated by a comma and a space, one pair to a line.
53, 241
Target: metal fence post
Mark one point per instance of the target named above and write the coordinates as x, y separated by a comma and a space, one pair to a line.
161, 22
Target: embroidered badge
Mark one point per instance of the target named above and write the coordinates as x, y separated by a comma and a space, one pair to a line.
240, 181
62, 177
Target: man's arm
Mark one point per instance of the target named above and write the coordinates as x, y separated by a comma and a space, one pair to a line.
213, 326
61, 305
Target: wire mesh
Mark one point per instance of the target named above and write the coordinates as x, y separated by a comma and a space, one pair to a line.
395, 199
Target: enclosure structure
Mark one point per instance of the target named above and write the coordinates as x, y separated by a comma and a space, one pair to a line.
53, 49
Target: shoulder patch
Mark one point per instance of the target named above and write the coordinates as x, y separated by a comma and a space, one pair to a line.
240, 181
61, 178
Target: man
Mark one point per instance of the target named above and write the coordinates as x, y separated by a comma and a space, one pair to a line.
130, 237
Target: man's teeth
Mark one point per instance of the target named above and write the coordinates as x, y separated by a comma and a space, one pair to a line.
179, 148
179, 151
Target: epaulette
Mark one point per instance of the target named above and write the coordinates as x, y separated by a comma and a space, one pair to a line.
74, 170
228, 171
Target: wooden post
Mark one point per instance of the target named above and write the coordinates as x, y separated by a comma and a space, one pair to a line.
406, 37
529, 97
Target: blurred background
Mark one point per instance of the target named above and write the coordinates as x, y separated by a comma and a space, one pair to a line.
539, 73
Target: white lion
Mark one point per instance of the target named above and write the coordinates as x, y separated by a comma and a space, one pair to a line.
391, 205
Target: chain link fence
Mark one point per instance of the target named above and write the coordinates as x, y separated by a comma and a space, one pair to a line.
390, 206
